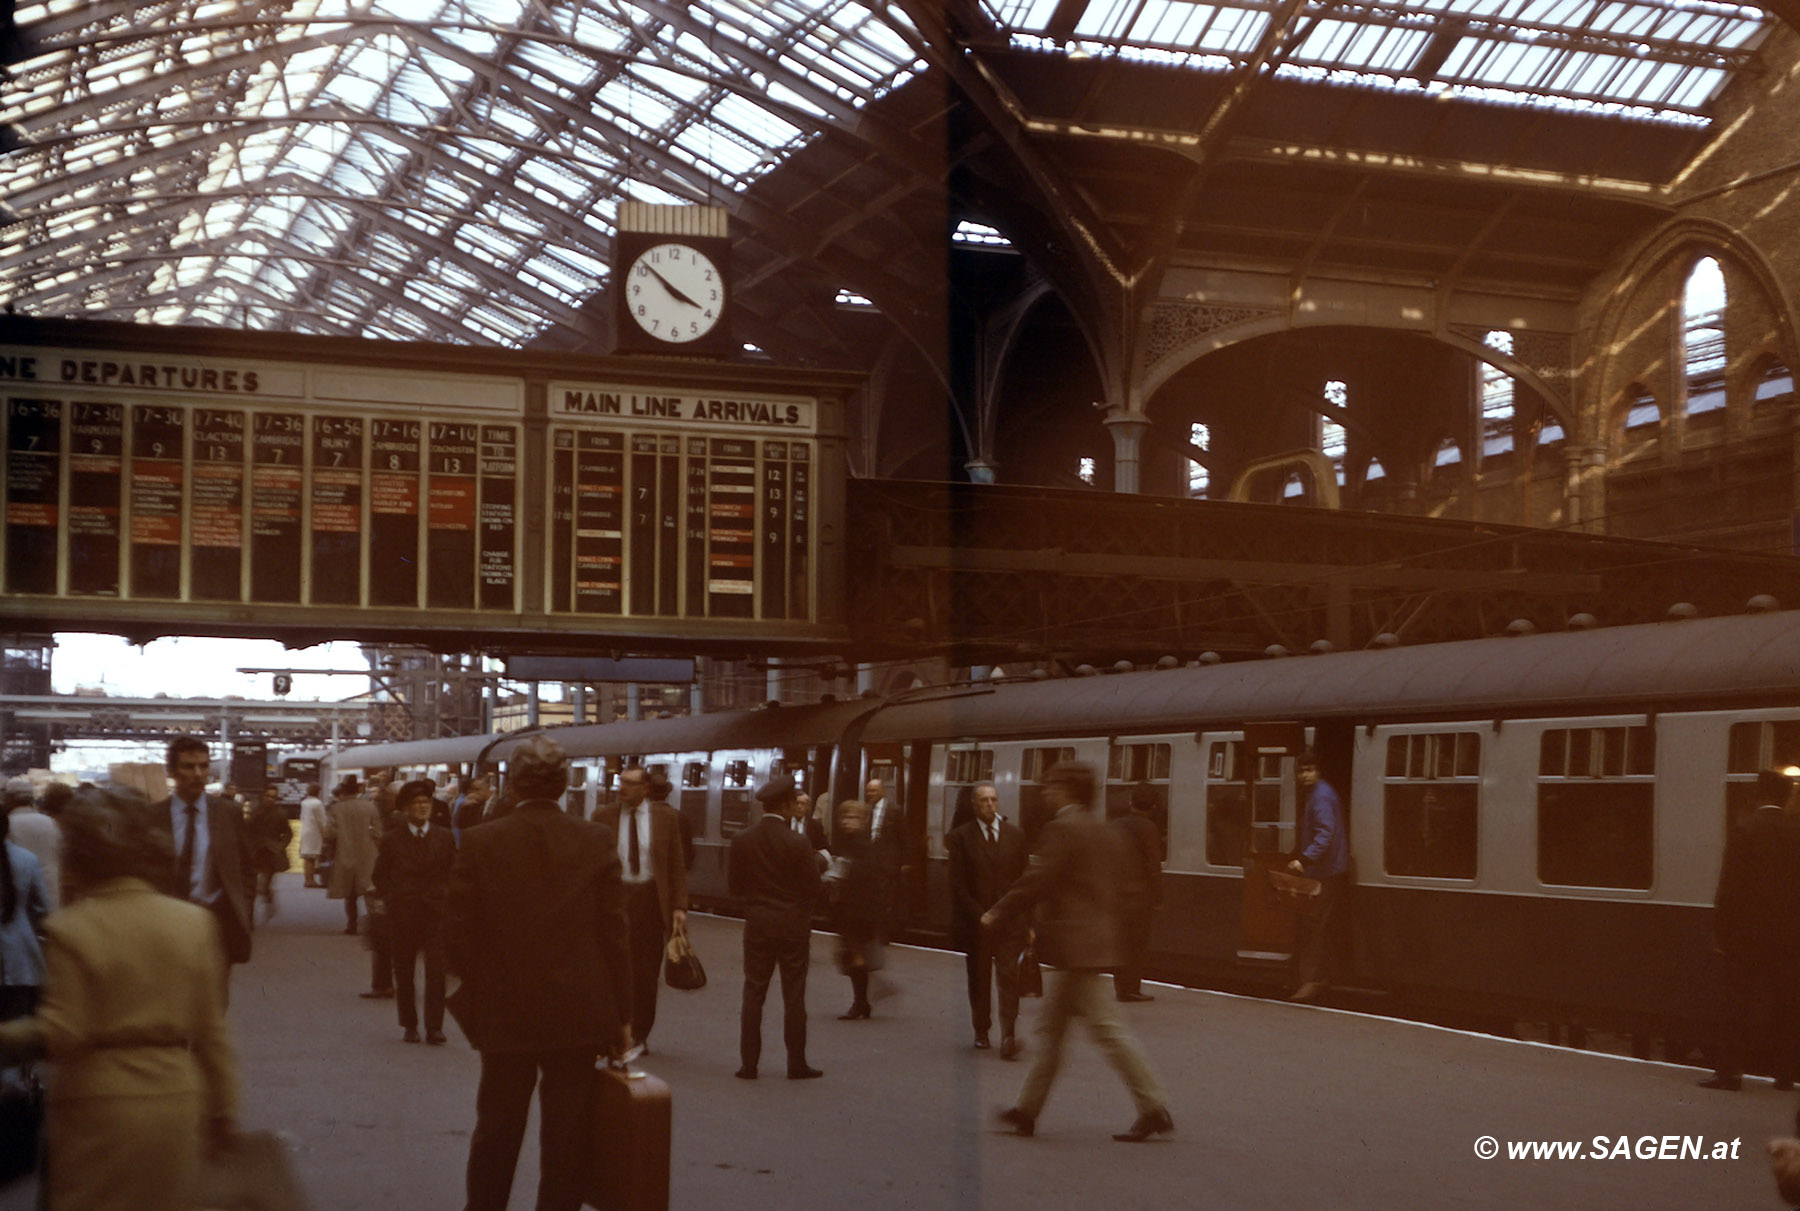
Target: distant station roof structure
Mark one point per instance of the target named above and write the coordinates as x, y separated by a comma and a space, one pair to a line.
451, 171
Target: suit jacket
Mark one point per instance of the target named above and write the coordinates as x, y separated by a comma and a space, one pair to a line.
668, 861
354, 827
1757, 910
980, 873
537, 932
1072, 882
772, 870
412, 875
228, 853
21, 959
1143, 845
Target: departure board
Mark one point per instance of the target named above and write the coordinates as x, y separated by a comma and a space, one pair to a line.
252, 501
253, 483
651, 520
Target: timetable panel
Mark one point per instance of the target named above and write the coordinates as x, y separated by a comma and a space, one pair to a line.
243, 483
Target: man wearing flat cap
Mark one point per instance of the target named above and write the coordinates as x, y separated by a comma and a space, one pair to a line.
773, 873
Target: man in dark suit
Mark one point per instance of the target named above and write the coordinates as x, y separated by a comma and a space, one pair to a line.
1756, 930
1071, 882
412, 878
655, 876
213, 865
537, 932
774, 872
987, 854
1140, 892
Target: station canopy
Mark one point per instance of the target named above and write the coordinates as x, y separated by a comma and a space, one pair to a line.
423, 170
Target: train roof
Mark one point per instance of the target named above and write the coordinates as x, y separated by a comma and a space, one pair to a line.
450, 750
1695, 662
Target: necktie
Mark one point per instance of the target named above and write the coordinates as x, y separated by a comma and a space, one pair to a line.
992, 838
634, 841
419, 831
185, 863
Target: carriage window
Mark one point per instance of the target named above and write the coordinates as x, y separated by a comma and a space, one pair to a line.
1768, 744
693, 774
1140, 769
1429, 822
734, 799
1033, 765
1230, 830
964, 770
1595, 817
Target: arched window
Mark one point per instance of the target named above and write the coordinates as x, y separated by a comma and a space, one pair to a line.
1643, 419
1773, 389
1449, 454
1496, 400
1086, 470
1374, 472
1703, 340
1332, 440
1199, 478
1550, 432
1293, 489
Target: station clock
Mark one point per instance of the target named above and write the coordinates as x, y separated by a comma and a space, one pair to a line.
673, 293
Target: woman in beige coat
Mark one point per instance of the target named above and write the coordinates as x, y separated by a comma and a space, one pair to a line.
132, 1017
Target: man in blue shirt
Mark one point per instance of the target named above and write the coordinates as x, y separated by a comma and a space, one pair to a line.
1325, 856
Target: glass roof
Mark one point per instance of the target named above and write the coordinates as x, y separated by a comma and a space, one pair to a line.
451, 169
402, 168
1661, 59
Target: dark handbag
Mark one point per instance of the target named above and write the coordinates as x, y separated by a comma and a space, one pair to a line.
1031, 976
681, 966
1296, 893
21, 1124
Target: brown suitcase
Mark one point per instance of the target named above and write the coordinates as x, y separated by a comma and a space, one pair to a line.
632, 1119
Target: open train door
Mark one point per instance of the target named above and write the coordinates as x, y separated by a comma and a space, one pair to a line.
1267, 930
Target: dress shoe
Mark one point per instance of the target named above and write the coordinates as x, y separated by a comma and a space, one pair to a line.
746, 1073
411, 1036
1719, 1080
1018, 1120
350, 929
981, 1042
1155, 1122
856, 1011
1132, 998
1308, 991
804, 1074
436, 1039
1009, 1047
377, 994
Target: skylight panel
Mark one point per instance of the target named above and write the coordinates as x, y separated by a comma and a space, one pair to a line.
1023, 14
674, 84
1108, 18
757, 124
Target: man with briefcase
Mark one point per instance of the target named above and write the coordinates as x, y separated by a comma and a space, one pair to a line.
537, 931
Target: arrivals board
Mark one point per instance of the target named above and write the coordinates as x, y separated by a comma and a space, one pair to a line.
674, 504
152, 483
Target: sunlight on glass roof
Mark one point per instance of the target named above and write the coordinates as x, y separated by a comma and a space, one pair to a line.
325, 166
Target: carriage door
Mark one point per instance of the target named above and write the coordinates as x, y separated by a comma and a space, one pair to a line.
1263, 765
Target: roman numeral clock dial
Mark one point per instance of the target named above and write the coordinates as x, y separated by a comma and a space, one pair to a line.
674, 293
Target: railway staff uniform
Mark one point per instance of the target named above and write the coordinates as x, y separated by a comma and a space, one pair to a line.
412, 877
537, 932
1756, 928
774, 872
1071, 882
1325, 856
654, 872
987, 855
212, 864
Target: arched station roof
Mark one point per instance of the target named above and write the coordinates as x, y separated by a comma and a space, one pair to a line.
451, 171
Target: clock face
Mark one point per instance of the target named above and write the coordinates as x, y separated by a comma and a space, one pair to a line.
675, 293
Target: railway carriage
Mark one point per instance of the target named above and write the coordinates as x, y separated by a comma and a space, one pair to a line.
1536, 822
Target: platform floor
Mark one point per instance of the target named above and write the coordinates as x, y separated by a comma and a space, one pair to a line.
1275, 1105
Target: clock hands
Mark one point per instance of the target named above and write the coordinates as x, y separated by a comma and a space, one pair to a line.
674, 293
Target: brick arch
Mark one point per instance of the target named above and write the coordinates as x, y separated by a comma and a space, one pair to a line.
1690, 239
1173, 362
